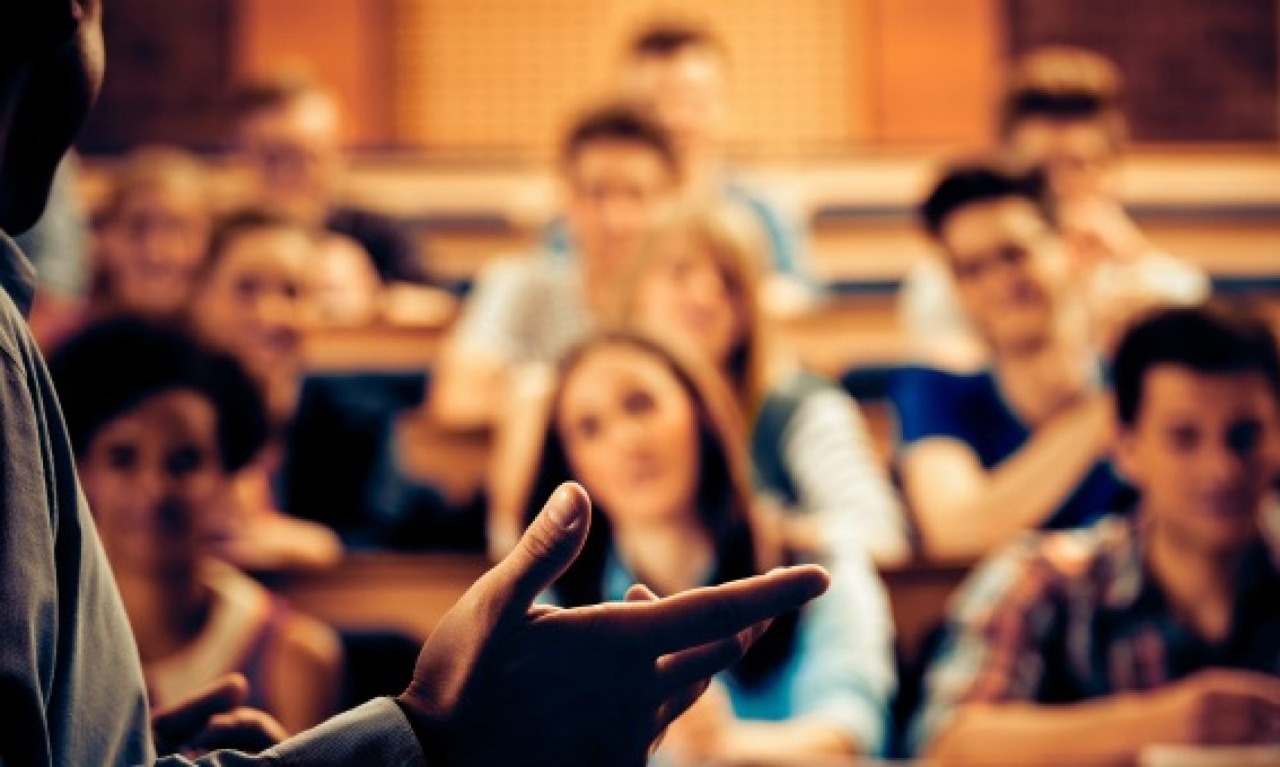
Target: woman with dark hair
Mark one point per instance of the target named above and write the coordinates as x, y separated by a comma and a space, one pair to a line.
657, 441
159, 426
698, 283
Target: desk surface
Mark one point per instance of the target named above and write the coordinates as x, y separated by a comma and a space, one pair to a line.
411, 592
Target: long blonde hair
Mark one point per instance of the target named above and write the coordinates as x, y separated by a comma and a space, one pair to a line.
729, 238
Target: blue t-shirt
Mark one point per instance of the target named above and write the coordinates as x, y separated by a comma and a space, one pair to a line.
970, 408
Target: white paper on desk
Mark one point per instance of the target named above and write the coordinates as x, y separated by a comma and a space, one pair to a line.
1221, 756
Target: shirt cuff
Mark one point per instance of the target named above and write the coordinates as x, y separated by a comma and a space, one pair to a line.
376, 733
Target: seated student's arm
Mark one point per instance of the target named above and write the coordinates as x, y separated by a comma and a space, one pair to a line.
517, 450
981, 701
1217, 707
305, 672
470, 378
838, 477
965, 510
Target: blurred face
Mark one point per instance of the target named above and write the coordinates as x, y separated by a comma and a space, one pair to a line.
295, 155
1009, 270
686, 295
631, 435
1202, 453
152, 248
687, 93
1080, 156
615, 193
153, 478
257, 300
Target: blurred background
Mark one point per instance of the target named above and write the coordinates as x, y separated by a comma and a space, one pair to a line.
494, 79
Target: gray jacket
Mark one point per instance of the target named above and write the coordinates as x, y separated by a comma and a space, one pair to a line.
71, 687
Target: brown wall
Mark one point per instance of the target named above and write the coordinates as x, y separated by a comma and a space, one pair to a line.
496, 78
343, 43
1196, 70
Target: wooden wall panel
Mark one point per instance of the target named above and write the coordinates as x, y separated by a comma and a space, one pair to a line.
504, 74
167, 73
342, 43
937, 70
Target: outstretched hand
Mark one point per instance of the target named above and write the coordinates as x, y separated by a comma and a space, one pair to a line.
502, 681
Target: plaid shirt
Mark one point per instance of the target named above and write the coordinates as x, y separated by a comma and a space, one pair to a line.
1071, 616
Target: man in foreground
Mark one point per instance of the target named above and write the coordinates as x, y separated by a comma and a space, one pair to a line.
499, 682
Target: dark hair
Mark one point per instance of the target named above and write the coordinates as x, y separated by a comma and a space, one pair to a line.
723, 495
977, 181
115, 365
237, 224
1212, 338
1064, 83
667, 37
619, 122
282, 90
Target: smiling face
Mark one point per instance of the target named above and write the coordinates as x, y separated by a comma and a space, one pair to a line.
687, 294
631, 435
152, 477
152, 247
256, 300
1202, 452
1009, 269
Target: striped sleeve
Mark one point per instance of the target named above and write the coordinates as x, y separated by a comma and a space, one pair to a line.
836, 472
993, 650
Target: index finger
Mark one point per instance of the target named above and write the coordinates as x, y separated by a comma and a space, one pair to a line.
706, 615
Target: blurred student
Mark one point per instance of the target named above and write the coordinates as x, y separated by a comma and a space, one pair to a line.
289, 134
1021, 443
253, 301
619, 170
698, 282
1061, 111
679, 71
658, 442
497, 683
1087, 647
159, 427
152, 235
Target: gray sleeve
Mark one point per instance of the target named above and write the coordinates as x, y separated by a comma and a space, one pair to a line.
494, 316
838, 475
372, 735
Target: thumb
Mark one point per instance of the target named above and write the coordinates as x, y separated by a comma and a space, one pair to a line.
545, 551
640, 593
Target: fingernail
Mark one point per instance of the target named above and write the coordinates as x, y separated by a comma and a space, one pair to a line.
564, 509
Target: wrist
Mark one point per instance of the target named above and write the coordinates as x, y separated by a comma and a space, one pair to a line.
428, 736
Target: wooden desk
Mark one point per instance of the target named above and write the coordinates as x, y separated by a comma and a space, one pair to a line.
411, 592
373, 348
